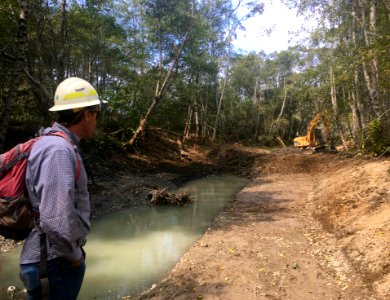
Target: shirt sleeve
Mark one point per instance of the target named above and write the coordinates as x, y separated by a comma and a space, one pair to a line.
56, 190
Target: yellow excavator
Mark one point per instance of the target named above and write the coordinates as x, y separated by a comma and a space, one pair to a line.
317, 133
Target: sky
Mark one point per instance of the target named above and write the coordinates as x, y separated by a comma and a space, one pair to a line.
271, 31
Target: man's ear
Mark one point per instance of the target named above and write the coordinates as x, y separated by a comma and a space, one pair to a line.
87, 114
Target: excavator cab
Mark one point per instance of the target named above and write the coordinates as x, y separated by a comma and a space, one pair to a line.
317, 133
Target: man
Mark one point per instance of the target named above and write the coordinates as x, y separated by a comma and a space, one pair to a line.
56, 181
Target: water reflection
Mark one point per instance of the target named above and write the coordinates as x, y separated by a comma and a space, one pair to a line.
130, 250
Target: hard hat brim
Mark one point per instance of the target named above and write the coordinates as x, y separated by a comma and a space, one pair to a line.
73, 105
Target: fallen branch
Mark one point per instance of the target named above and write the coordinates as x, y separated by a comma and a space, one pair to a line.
163, 197
281, 142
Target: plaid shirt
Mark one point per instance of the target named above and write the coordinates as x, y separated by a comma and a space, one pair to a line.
63, 203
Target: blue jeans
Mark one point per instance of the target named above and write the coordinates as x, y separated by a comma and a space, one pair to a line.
65, 281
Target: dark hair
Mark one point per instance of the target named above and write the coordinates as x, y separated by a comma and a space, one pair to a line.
69, 117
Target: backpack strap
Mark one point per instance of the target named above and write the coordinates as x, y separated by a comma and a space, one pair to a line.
66, 137
19, 155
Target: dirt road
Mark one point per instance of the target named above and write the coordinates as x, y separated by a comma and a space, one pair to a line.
268, 245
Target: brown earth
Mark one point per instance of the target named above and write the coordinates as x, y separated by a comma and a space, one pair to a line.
307, 226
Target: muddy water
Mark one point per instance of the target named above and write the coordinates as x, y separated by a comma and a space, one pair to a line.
130, 250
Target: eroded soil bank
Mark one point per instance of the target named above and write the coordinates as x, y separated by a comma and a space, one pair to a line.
308, 226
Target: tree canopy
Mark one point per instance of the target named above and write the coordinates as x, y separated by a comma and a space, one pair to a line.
178, 58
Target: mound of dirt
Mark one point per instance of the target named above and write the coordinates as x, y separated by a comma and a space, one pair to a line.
353, 203
162, 150
294, 161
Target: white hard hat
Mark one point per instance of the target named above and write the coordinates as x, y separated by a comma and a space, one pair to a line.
75, 93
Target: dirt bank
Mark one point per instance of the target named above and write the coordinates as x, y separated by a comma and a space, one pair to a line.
306, 227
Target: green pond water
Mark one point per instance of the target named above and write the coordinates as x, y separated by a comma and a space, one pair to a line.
130, 250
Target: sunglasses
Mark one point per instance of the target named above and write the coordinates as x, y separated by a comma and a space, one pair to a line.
97, 111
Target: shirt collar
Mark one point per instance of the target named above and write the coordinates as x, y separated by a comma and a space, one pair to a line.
58, 127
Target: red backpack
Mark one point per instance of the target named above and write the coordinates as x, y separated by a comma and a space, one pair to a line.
17, 218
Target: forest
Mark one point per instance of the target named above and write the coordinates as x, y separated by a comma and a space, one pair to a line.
172, 64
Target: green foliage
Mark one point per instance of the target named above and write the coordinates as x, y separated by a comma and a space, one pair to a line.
103, 144
375, 140
246, 70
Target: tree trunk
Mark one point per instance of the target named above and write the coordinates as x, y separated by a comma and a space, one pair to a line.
370, 67
187, 127
196, 116
276, 126
159, 94
220, 98
254, 97
219, 106
258, 115
356, 124
63, 34
204, 120
333, 97
188, 122
16, 72
41, 95
357, 101
387, 5
141, 127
